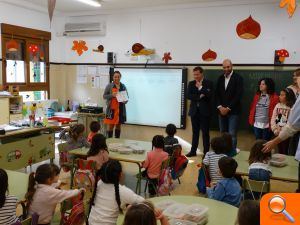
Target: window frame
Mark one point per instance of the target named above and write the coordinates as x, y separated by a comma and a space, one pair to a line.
29, 36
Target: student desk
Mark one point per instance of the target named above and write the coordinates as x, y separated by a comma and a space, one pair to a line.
286, 173
218, 213
130, 158
17, 183
22, 148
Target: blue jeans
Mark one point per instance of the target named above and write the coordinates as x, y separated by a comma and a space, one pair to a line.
264, 134
229, 124
259, 175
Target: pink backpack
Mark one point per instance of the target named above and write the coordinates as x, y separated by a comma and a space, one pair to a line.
85, 175
77, 214
165, 185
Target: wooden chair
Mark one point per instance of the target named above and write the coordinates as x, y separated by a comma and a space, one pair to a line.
254, 187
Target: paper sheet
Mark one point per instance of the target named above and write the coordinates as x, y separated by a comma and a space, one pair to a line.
92, 70
81, 74
122, 96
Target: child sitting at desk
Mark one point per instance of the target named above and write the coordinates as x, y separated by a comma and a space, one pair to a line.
259, 162
76, 138
219, 150
227, 190
170, 140
94, 127
98, 151
153, 162
8, 203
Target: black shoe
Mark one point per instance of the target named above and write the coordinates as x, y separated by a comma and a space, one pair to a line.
191, 154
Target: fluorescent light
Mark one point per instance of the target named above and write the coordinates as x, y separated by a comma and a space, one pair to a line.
94, 3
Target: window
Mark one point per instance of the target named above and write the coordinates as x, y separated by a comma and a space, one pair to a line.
25, 60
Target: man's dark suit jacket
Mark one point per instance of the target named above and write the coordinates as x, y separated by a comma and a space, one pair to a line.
231, 97
203, 103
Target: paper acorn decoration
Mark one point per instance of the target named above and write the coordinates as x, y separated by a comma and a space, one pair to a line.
209, 55
100, 49
290, 6
12, 46
79, 47
282, 54
248, 29
167, 57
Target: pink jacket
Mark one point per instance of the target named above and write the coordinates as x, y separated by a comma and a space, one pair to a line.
153, 162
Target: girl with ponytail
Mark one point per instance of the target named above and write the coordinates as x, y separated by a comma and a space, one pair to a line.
104, 210
41, 197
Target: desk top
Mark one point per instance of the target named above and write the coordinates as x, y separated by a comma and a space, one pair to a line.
134, 158
90, 114
218, 213
17, 183
287, 173
27, 131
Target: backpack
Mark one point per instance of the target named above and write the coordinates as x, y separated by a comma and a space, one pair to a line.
179, 166
84, 177
203, 180
77, 214
165, 184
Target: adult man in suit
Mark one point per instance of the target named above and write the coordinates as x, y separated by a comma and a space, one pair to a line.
200, 93
229, 93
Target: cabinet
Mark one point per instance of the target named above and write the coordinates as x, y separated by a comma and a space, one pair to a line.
10, 109
4, 110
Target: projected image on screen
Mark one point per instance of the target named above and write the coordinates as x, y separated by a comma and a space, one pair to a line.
155, 96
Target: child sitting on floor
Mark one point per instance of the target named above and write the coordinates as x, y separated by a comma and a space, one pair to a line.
227, 190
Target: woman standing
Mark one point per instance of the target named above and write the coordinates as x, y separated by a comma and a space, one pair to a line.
115, 111
295, 87
262, 108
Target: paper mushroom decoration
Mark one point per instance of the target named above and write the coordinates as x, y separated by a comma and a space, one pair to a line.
33, 49
209, 55
248, 29
12, 46
282, 54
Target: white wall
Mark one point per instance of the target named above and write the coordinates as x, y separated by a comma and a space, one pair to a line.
37, 20
187, 34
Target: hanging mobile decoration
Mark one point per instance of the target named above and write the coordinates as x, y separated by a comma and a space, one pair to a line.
209, 55
167, 57
248, 29
290, 6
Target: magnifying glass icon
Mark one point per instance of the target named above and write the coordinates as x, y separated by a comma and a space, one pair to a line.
277, 205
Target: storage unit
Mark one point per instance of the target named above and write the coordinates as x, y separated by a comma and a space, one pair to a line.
4, 110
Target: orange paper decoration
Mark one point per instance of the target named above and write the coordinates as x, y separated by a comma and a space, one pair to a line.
12, 46
79, 47
167, 57
33, 49
209, 55
290, 6
137, 47
248, 29
100, 49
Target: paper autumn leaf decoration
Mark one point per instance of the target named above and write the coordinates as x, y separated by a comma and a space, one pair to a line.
290, 4
79, 47
248, 29
209, 55
167, 57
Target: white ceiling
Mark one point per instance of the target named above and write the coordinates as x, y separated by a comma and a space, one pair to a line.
71, 6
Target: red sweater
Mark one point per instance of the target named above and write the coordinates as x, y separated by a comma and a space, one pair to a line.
273, 101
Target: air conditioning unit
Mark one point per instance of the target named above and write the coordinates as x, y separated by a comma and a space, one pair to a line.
85, 29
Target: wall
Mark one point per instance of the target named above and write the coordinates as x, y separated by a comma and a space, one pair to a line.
189, 32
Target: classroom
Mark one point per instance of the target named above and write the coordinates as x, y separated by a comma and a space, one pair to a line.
138, 112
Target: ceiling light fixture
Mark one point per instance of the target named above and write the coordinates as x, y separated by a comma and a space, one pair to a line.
94, 3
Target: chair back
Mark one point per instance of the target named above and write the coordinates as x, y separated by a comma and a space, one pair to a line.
252, 186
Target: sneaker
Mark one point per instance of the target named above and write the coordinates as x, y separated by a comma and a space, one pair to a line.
191, 154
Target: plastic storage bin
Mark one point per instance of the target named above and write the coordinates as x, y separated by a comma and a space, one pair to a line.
196, 213
163, 205
180, 222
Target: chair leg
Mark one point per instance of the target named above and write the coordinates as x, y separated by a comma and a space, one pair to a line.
146, 186
178, 180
